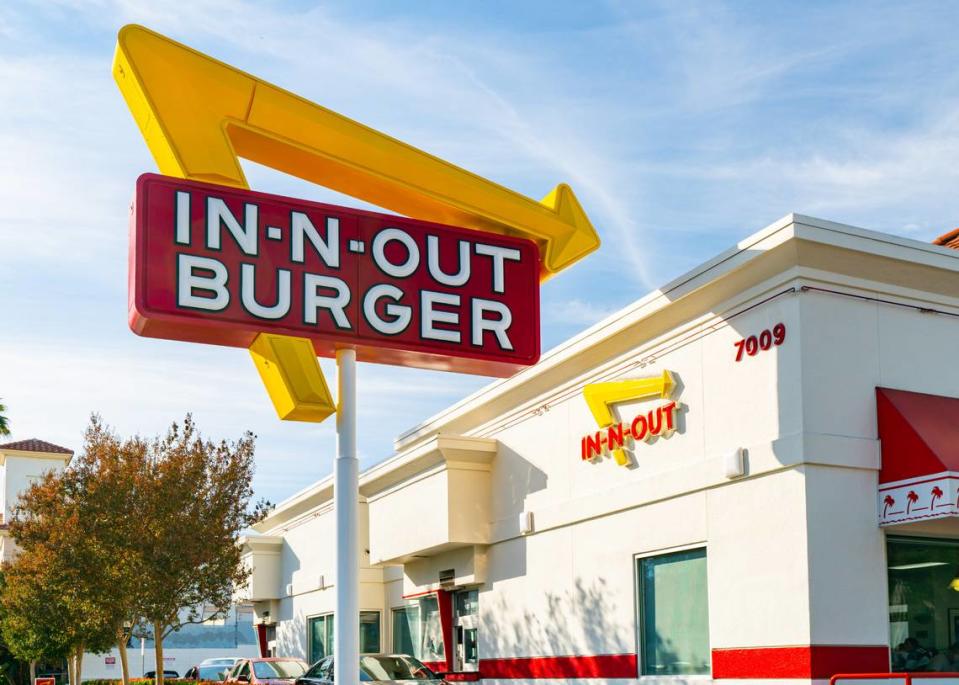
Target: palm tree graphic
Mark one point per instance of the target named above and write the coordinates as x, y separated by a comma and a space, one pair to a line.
887, 502
936, 494
913, 498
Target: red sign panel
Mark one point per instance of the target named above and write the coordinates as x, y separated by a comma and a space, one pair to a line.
219, 265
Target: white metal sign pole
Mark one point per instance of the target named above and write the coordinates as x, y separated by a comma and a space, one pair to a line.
346, 621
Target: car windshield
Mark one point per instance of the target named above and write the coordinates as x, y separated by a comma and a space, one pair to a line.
265, 670
212, 672
394, 668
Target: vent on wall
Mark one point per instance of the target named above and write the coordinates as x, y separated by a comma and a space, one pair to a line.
289, 589
525, 522
448, 577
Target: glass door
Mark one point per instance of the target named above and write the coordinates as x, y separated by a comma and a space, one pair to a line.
465, 620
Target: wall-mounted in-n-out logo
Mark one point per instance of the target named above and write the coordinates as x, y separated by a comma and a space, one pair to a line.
616, 437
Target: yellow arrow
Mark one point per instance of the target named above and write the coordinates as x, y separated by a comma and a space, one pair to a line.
292, 376
198, 115
600, 398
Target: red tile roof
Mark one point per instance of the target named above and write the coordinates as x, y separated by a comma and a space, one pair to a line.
950, 239
34, 445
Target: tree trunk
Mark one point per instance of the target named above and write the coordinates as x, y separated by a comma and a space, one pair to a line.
79, 665
73, 665
33, 671
158, 642
122, 648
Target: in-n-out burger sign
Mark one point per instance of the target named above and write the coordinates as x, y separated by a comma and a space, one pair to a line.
219, 265
657, 422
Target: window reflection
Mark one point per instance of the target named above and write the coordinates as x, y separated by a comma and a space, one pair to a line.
923, 604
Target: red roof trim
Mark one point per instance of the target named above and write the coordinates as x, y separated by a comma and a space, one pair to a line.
950, 239
34, 445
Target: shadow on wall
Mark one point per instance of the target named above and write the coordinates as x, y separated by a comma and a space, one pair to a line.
291, 636
572, 622
509, 497
524, 477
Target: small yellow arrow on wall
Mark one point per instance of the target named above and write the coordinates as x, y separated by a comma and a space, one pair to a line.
199, 115
600, 397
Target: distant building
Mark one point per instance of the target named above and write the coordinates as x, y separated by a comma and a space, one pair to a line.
232, 635
21, 463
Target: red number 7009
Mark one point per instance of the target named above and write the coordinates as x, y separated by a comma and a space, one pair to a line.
765, 340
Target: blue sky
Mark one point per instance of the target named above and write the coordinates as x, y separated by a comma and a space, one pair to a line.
682, 127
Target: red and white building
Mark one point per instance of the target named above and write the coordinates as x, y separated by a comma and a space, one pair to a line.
800, 519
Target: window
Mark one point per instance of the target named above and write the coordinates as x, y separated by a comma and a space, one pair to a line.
674, 614
417, 630
320, 634
923, 603
369, 632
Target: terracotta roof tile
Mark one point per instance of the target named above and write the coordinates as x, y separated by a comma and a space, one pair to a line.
34, 445
950, 239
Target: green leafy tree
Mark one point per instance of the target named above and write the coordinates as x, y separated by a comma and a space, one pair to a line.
107, 479
196, 502
31, 614
57, 599
4, 422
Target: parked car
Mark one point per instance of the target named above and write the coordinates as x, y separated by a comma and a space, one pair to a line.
166, 674
217, 668
209, 671
383, 668
228, 661
275, 670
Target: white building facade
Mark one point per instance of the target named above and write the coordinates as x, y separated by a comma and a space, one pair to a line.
806, 378
22, 463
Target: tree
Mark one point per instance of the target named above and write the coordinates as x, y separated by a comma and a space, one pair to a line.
195, 504
132, 533
4, 422
56, 601
109, 477
31, 614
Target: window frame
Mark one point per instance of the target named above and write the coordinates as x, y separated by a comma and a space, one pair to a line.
379, 620
394, 609
638, 613
326, 615
892, 538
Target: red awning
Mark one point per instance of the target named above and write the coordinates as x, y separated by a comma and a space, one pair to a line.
919, 434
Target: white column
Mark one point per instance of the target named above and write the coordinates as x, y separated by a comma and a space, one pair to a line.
346, 621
